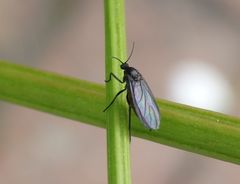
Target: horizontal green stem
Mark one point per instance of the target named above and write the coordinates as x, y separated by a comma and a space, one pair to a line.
196, 130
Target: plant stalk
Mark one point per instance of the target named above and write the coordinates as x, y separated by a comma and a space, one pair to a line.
117, 118
192, 129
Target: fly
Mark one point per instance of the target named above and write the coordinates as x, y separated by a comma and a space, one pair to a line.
139, 96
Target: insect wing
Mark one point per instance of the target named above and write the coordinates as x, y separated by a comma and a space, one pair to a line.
144, 104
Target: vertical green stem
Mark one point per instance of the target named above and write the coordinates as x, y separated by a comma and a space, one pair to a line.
117, 121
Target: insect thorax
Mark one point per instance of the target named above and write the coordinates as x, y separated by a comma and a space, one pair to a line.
135, 75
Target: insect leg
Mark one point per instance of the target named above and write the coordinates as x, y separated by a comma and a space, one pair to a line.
114, 98
110, 78
129, 123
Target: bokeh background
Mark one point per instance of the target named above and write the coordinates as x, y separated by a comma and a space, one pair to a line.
188, 50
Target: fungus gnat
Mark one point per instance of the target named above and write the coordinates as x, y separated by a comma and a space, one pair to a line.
139, 95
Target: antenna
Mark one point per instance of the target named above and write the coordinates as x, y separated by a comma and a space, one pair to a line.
130, 53
117, 59
128, 56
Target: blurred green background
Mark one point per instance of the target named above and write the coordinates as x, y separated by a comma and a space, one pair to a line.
187, 50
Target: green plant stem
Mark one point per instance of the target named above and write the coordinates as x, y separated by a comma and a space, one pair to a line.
200, 131
117, 124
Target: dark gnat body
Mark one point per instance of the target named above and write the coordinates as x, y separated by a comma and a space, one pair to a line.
139, 96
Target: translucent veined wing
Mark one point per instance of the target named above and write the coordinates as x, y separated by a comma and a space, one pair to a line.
144, 104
